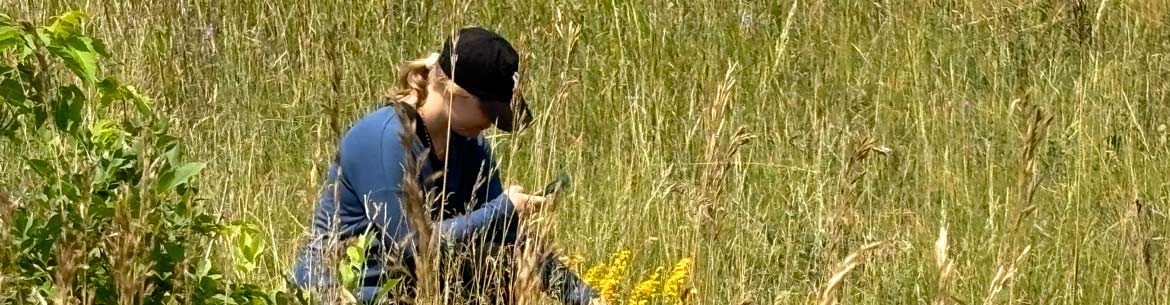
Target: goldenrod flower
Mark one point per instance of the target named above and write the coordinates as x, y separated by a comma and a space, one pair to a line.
594, 275
607, 284
672, 288
646, 289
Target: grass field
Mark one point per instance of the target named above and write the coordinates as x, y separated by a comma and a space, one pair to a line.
767, 140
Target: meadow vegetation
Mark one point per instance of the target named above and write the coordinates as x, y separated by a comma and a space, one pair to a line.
721, 152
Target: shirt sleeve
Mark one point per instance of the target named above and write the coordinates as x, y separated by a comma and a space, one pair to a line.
376, 173
556, 279
491, 195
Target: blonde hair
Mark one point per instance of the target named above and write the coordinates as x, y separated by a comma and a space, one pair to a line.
415, 75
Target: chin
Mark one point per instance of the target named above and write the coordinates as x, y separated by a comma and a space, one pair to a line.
469, 133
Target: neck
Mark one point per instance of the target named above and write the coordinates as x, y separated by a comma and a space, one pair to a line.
434, 120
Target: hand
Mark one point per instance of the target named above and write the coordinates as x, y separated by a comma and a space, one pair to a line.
598, 301
524, 202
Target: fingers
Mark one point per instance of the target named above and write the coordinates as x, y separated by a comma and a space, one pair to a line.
536, 201
516, 189
524, 201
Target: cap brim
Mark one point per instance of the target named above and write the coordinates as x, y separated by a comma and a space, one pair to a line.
511, 117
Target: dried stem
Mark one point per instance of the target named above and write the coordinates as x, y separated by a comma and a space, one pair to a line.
1013, 251
416, 201
828, 294
946, 270
843, 215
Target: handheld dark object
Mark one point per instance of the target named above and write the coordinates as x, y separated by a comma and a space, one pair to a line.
555, 185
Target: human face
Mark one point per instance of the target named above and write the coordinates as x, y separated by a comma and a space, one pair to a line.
466, 116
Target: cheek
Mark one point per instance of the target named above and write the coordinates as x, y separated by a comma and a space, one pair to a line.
467, 116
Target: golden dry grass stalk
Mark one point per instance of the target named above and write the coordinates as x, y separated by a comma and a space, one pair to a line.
416, 201
828, 294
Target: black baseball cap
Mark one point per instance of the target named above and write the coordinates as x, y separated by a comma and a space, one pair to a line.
485, 64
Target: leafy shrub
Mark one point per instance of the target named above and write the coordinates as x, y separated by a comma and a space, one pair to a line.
109, 213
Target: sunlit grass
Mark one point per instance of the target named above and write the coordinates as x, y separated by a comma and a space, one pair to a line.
724, 132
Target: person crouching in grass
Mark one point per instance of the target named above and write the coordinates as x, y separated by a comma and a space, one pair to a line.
452, 97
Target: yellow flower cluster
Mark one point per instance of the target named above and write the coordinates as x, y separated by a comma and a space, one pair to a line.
646, 289
607, 278
672, 288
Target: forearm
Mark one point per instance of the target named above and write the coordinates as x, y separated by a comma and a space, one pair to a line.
491, 222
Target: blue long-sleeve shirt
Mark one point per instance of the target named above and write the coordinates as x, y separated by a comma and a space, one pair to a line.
363, 190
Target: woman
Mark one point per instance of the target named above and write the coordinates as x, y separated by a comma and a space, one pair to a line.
364, 186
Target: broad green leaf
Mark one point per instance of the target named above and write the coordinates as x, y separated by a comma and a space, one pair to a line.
84, 52
357, 251
205, 224
42, 167
224, 299
248, 248
39, 116
67, 108
12, 92
8, 125
174, 154
389, 286
140, 101
78, 55
178, 176
107, 135
100, 178
244, 265
246, 244
355, 256
99, 46
348, 276
110, 91
175, 250
70, 191
76, 106
256, 249
11, 37
203, 269
67, 23
25, 74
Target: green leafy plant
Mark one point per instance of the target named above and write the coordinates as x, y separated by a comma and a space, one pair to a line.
353, 265
110, 214
248, 247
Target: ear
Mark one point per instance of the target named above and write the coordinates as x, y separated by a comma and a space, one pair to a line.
436, 80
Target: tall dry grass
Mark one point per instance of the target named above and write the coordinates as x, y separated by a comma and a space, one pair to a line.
725, 131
